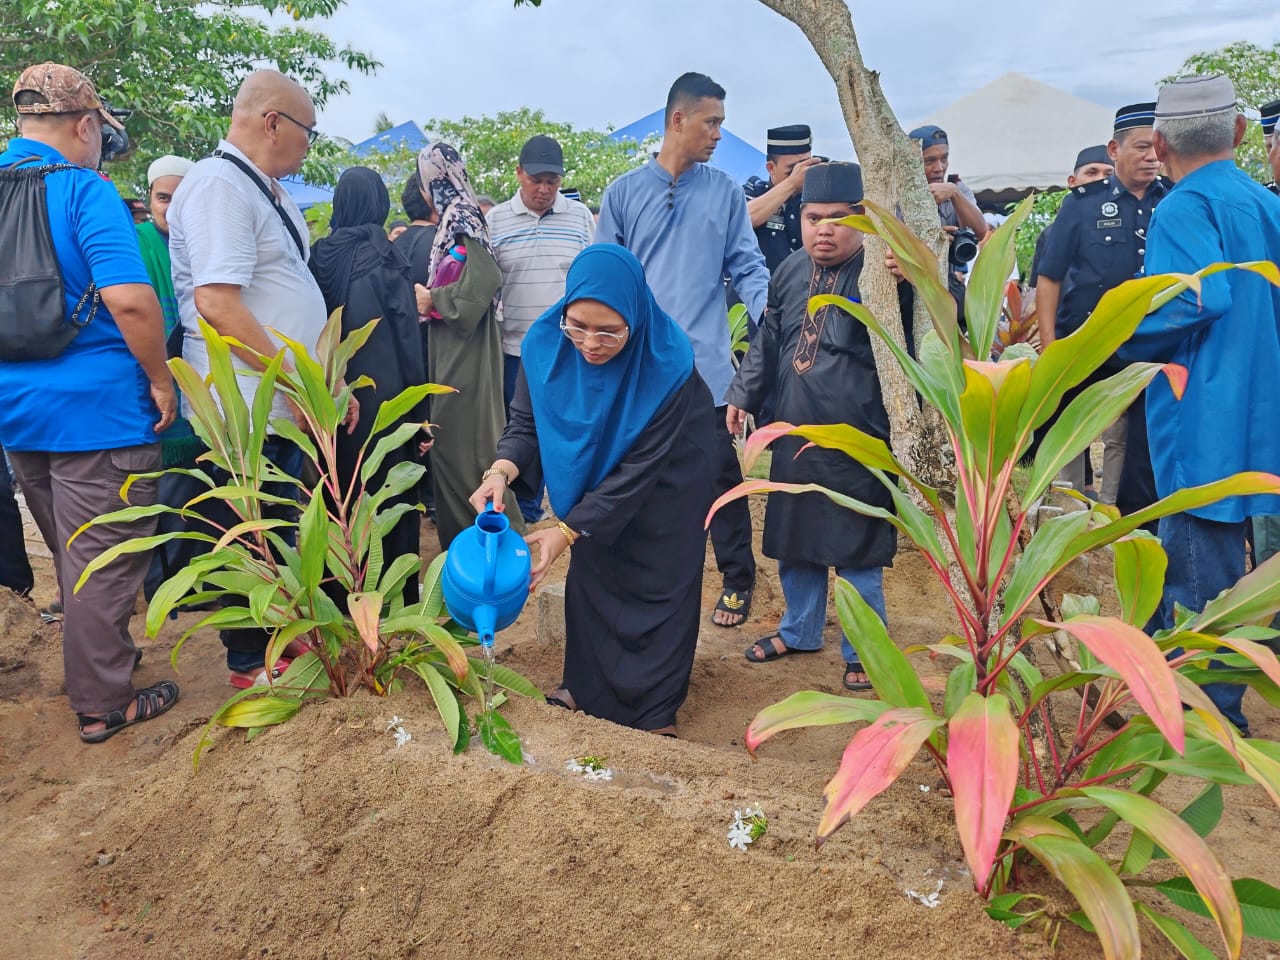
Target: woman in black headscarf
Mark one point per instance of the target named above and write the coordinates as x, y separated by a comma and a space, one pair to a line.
359, 270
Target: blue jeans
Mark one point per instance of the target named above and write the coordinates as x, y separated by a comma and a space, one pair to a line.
804, 587
15, 569
1205, 557
530, 507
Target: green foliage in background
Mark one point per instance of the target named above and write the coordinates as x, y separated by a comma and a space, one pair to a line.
1255, 71
491, 146
178, 65
1044, 210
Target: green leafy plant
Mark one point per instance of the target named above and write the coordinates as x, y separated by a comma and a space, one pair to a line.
283, 573
739, 318
1025, 791
491, 147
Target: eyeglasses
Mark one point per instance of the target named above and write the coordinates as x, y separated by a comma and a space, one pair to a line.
579, 335
312, 132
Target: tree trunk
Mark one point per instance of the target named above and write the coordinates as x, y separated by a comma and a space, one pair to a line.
894, 179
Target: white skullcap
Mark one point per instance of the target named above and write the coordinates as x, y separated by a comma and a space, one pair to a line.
1195, 97
168, 166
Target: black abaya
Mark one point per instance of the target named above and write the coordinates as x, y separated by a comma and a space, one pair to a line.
633, 596
358, 269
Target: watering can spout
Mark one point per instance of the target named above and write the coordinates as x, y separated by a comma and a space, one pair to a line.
485, 616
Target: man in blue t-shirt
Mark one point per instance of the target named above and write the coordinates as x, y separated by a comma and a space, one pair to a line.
77, 425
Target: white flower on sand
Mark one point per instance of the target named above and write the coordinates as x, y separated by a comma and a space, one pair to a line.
591, 768
927, 899
749, 825
740, 835
403, 736
394, 722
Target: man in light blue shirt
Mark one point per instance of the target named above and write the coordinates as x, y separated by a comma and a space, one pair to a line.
687, 223
1228, 338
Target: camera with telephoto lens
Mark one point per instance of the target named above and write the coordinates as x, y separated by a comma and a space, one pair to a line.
115, 143
964, 247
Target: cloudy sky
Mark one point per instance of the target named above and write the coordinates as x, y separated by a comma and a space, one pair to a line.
599, 62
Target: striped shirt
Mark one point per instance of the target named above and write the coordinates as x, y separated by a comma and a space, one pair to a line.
534, 253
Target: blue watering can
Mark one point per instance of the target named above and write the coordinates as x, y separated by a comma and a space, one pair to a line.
486, 576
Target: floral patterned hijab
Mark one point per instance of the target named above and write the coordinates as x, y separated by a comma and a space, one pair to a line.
446, 182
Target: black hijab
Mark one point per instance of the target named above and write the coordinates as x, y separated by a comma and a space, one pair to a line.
357, 242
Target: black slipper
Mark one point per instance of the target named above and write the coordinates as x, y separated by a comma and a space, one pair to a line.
854, 667
771, 651
152, 701
736, 602
555, 701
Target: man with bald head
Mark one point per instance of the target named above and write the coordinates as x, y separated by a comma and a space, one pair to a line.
239, 248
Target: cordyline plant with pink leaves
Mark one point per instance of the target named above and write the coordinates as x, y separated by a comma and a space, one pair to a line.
1024, 789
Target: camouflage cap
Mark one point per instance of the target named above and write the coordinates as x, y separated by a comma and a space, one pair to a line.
64, 90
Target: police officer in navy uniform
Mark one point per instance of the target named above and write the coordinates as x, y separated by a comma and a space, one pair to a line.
1270, 114
1098, 241
774, 204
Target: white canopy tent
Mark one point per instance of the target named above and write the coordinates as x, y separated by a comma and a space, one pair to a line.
1016, 135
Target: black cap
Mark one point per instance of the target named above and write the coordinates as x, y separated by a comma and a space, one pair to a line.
541, 154
1090, 155
929, 135
832, 182
793, 139
1135, 115
1270, 113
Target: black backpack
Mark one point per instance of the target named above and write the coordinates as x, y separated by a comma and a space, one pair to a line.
33, 315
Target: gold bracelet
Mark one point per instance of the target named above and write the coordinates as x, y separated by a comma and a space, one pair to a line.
496, 471
567, 531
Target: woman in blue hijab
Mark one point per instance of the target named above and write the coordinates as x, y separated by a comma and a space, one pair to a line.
611, 414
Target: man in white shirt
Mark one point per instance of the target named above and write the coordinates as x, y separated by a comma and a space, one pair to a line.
536, 235
239, 248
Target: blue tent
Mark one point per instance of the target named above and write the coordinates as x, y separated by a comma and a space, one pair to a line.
407, 134
733, 155
304, 194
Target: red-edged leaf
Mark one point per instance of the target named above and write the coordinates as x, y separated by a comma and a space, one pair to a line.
1177, 375
1135, 656
982, 760
1185, 846
809, 709
761, 438
365, 609
1260, 656
1086, 875
874, 758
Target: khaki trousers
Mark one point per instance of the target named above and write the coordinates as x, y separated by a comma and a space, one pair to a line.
64, 491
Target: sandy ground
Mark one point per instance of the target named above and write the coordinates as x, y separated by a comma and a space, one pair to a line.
322, 839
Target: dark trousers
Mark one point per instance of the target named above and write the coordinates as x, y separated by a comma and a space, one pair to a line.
175, 490
15, 569
731, 526
247, 648
531, 506
66, 491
